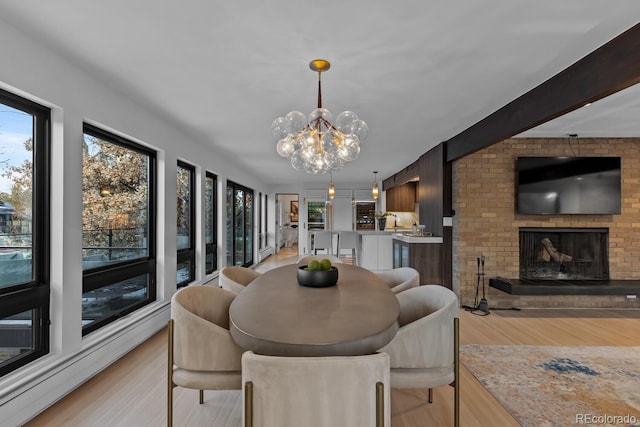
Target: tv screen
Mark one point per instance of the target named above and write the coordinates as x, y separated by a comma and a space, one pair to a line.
569, 185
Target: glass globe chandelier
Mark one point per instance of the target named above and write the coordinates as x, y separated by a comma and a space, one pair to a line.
317, 145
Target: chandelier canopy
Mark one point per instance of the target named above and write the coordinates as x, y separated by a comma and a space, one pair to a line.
316, 145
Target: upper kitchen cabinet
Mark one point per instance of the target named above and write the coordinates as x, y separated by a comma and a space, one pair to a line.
402, 198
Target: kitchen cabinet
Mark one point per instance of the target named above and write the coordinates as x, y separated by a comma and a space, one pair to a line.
402, 198
341, 214
376, 252
424, 257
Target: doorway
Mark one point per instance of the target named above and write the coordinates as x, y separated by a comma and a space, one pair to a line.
287, 223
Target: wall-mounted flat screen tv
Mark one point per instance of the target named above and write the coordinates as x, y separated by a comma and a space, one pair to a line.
569, 185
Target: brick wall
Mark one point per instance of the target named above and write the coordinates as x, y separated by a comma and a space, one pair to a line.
486, 223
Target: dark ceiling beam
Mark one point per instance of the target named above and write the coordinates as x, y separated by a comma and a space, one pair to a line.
609, 69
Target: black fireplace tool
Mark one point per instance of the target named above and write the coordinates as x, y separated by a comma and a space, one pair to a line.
484, 305
481, 308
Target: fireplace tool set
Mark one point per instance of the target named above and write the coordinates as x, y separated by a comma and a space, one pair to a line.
480, 308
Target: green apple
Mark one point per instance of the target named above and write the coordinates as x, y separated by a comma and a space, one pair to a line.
314, 265
325, 264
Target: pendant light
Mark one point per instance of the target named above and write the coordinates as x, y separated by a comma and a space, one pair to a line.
332, 189
374, 191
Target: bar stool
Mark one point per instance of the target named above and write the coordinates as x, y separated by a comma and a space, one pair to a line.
349, 240
323, 240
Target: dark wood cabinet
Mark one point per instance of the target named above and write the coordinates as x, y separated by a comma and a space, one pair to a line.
424, 257
402, 198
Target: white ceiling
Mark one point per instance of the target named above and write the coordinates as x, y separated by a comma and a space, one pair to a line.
418, 72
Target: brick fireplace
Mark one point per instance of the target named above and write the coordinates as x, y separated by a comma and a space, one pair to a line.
486, 222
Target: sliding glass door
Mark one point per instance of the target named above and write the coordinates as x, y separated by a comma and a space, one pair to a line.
239, 225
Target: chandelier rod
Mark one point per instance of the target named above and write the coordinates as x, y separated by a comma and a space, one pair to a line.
319, 90
319, 65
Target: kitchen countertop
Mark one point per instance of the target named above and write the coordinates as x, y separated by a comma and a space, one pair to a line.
417, 239
383, 233
403, 235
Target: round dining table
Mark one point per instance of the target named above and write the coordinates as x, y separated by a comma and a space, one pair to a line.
274, 315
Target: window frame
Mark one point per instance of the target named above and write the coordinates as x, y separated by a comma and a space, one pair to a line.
188, 254
260, 245
212, 247
98, 277
35, 294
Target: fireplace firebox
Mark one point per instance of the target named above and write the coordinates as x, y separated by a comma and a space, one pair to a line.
564, 253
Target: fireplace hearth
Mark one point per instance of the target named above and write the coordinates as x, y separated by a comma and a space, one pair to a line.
564, 254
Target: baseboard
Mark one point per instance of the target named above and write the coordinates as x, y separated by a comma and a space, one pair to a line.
264, 253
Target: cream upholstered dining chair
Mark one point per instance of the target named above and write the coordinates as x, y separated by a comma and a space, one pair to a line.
316, 391
235, 278
306, 258
401, 278
425, 351
201, 353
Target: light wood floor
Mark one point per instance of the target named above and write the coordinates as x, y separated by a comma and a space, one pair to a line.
132, 391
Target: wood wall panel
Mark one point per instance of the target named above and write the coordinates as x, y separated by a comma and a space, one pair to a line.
431, 189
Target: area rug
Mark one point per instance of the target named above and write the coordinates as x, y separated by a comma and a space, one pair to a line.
560, 386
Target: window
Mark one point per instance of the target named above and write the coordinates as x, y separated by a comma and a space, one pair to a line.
185, 237
211, 221
24, 236
263, 231
118, 228
260, 220
239, 225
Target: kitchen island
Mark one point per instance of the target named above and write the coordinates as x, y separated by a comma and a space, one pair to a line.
376, 250
399, 247
377, 253
422, 253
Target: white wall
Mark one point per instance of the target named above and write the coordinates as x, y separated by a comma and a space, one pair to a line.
32, 70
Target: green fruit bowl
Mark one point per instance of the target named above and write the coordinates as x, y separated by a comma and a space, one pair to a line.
317, 278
